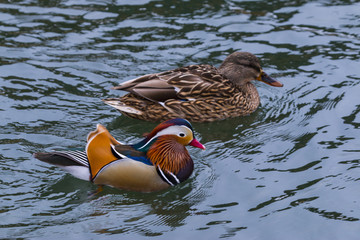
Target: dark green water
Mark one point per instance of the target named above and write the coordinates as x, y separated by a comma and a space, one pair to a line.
290, 170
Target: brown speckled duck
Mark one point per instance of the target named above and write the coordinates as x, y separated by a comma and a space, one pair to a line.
199, 93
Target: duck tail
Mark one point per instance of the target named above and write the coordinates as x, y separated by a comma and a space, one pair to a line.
100, 151
74, 162
63, 158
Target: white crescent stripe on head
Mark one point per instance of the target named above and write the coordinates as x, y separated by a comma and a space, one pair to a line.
171, 130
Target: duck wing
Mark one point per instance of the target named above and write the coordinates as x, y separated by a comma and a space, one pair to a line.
132, 153
185, 83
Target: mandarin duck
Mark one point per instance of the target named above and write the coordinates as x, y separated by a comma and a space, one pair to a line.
199, 93
157, 162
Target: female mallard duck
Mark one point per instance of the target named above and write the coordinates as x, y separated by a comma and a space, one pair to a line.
157, 162
199, 93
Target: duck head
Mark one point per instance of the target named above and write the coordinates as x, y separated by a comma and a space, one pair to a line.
165, 145
178, 129
242, 67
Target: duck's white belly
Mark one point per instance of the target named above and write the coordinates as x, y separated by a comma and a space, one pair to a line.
131, 175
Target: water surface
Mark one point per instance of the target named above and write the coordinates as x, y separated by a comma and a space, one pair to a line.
290, 170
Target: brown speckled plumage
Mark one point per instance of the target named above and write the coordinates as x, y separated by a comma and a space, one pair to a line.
199, 93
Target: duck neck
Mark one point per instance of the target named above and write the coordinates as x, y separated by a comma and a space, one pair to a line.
144, 145
251, 95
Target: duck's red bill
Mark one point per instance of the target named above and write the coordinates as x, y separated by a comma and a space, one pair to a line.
196, 143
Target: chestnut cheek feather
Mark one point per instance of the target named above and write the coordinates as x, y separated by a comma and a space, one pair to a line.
169, 155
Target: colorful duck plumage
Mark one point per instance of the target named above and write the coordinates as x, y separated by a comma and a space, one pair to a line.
199, 93
160, 160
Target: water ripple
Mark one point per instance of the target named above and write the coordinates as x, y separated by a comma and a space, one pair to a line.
293, 162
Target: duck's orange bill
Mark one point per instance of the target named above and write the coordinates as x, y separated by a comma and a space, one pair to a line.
263, 77
197, 144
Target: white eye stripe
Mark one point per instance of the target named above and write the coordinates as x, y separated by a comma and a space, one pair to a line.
172, 130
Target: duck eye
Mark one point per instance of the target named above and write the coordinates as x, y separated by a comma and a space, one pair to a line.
181, 134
